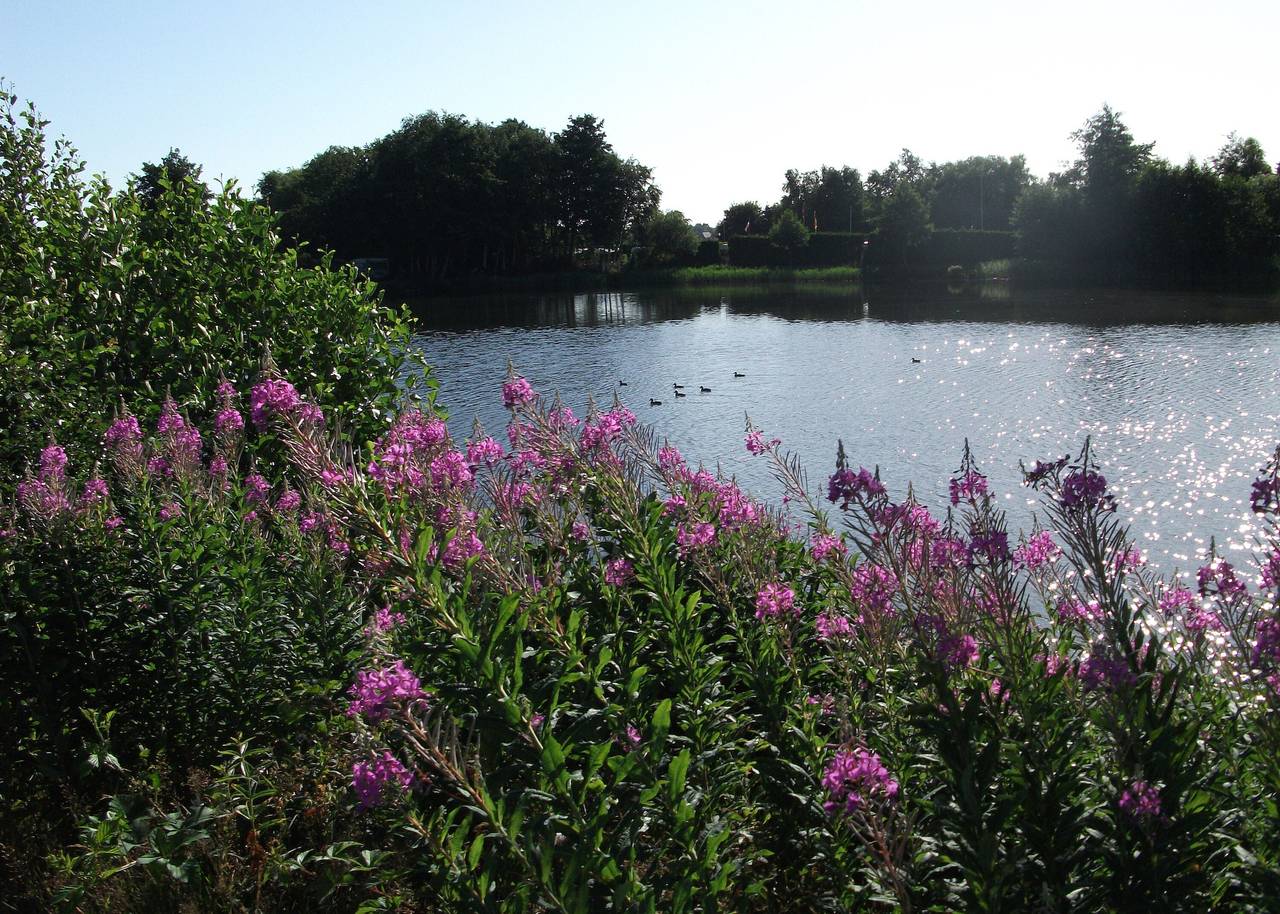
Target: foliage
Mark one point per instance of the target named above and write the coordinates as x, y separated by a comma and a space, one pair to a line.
443, 196
173, 169
594, 677
742, 219
789, 233
103, 294
1241, 158
668, 238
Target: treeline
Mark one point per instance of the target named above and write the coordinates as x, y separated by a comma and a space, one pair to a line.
444, 195
1117, 213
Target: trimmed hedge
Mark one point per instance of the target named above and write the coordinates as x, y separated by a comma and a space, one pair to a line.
825, 249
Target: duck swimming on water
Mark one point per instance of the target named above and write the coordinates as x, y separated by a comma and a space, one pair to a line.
653, 402
679, 394
704, 390
738, 374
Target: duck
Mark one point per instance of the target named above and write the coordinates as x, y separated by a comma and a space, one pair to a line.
677, 386
738, 374
915, 361
622, 383
679, 394
653, 402
703, 390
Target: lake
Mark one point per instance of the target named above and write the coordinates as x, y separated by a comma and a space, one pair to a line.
1181, 392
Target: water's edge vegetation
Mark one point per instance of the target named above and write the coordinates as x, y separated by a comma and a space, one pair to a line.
270, 639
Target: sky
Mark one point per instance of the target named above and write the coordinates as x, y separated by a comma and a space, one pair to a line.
718, 98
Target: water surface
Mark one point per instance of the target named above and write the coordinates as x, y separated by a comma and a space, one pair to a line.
1181, 392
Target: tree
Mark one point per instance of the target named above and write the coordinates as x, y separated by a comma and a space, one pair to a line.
1241, 158
668, 236
1110, 158
741, 219
174, 170
978, 192
904, 221
789, 233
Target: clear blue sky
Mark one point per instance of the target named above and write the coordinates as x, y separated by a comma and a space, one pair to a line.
719, 98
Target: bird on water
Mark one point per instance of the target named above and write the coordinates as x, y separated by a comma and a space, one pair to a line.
653, 402
738, 374
704, 390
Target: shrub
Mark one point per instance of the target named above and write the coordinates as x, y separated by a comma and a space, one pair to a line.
597, 677
103, 294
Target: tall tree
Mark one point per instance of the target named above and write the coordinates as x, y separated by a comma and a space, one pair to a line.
741, 219
174, 169
1241, 158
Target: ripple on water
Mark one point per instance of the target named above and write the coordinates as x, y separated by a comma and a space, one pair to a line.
1182, 411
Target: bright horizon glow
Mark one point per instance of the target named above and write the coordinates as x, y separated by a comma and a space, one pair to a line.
718, 98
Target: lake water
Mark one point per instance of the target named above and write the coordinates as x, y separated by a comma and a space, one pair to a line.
1181, 392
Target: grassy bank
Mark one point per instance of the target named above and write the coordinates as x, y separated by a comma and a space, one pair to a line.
593, 280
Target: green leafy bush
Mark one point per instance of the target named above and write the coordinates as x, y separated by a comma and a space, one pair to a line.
104, 293
594, 677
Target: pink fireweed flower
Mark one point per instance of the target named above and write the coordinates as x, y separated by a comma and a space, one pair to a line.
734, 508
170, 511
1127, 559
1084, 489
580, 531
272, 397
825, 544
846, 486
228, 422
124, 434
855, 779
1271, 570
1219, 577
969, 487
517, 392
53, 465
95, 493
1105, 673
674, 505
1037, 552
484, 451
225, 391
332, 477
464, 545
1140, 801
288, 502
1179, 599
114, 522
450, 471
384, 619
618, 572
957, 652
631, 738
948, 551
1266, 646
370, 777
170, 420
1202, 618
873, 589
774, 600
694, 536
1074, 610
257, 490
757, 445
42, 501
376, 692
670, 460
832, 626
